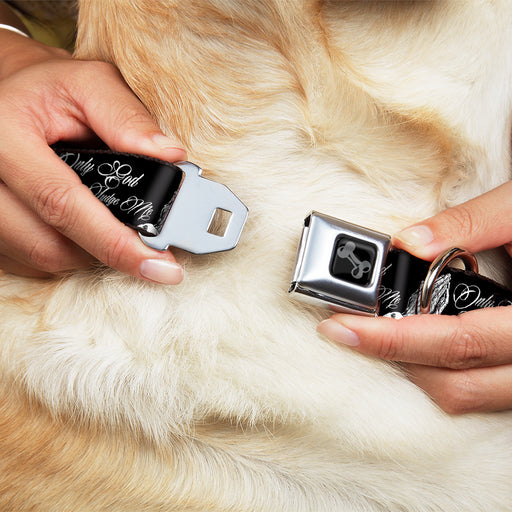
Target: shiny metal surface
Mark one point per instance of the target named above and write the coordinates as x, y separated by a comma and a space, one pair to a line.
313, 280
187, 224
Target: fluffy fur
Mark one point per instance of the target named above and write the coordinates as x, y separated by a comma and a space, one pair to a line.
217, 394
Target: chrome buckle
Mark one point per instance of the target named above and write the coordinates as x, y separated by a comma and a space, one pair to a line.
188, 222
339, 265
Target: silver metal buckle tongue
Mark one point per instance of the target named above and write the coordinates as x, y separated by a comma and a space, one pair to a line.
188, 222
339, 265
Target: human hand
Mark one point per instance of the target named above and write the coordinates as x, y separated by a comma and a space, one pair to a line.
51, 222
463, 362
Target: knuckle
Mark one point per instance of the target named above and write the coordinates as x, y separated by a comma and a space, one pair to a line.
460, 393
60, 53
132, 119
388, 346
54, 204
115, 252
386, 349
52, 53
461, 220
80, 84
99, 69
43, 257
465, 349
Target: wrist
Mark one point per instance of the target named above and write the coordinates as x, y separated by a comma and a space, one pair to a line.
11, 28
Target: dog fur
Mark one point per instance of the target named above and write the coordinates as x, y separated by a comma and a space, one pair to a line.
217, 394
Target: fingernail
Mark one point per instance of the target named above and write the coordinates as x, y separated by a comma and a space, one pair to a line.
161, 271
164, 142
416, 236
338, 333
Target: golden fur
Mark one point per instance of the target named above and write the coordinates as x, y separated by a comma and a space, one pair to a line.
217, 394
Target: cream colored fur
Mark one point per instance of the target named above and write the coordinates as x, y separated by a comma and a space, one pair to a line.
217, 394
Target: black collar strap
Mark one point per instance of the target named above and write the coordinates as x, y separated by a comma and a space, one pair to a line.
168, 204
356, 270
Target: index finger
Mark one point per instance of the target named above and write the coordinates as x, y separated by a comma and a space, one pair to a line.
57, 195
474, 339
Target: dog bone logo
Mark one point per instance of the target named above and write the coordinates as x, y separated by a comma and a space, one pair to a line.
359, 267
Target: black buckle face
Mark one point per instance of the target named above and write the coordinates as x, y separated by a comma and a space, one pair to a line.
353, 260
339, 265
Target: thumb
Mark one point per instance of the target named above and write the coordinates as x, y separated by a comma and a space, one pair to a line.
479, 224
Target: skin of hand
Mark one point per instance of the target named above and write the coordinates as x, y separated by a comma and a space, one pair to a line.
51, 222
463, 362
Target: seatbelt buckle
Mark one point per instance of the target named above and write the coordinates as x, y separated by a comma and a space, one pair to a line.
339, 265
197, 206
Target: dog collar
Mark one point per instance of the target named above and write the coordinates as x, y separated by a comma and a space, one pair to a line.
168, 204
352, 269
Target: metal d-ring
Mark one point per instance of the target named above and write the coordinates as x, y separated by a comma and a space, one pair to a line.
436, 268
